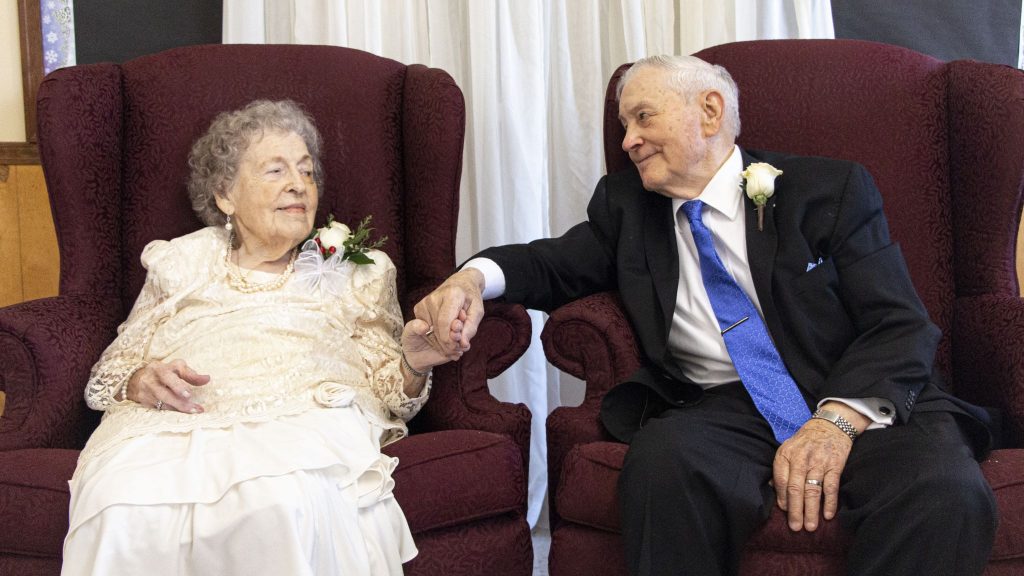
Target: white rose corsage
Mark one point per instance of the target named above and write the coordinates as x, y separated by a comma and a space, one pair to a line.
759, 184
332, 252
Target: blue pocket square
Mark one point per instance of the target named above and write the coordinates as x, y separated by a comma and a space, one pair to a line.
813, 265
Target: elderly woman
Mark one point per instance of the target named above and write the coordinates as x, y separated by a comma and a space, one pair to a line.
246, 401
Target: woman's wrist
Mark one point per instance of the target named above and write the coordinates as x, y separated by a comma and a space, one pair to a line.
121, 395
413, 370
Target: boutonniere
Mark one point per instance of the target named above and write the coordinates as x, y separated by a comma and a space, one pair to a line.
332, 251
759, 184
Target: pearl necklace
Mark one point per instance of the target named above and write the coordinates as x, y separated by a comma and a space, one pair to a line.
242, 284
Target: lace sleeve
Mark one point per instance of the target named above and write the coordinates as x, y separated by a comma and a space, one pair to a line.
127, 353
378, 332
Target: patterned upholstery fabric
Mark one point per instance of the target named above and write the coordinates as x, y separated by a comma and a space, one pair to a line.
945, 143
114, 141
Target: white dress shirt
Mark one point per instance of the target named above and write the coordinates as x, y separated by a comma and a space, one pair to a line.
695, 340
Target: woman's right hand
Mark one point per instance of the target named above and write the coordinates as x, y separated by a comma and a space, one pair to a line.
165, 386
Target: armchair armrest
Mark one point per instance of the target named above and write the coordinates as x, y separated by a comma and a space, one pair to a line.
47, 348
590, 339
460, 397
988, 359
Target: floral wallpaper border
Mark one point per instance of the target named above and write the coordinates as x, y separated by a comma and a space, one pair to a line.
58, 23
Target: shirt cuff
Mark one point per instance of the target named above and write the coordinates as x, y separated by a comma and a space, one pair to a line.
494, 278
880, 411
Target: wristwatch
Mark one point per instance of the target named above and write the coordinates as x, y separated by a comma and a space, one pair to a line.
838, 420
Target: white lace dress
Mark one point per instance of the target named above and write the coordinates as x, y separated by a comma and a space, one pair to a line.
282, 473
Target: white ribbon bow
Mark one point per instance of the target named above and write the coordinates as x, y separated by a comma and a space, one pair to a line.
329, 275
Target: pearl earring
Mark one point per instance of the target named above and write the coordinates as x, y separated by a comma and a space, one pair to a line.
227, 225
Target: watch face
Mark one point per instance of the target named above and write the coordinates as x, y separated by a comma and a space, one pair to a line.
838, 420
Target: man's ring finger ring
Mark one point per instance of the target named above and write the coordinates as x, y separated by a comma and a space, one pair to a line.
159, 405
814, 482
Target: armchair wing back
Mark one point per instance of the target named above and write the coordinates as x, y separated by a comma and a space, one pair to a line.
114, 141
945, 144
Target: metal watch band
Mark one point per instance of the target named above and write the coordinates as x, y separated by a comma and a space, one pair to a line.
837, 419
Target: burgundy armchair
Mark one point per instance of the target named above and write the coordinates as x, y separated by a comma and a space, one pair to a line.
114, 141
945, 143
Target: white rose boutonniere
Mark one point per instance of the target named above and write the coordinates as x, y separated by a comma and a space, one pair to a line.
759, 184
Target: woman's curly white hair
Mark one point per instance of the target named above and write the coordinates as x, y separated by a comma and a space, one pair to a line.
216, 155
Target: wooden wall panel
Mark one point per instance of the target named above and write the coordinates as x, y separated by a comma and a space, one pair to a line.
29, 262
10, 237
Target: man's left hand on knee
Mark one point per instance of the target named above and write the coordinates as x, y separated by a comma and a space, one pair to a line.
807, 468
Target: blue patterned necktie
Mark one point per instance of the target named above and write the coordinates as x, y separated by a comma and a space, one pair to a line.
758, 363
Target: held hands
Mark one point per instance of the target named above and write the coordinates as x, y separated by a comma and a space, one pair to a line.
455, 309
808, 466
165, 386
418, 346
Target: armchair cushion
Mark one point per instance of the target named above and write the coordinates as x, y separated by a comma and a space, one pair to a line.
588, 498
432, 497
34, 487
34, 490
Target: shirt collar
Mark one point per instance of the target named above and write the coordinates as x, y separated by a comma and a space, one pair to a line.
723, 191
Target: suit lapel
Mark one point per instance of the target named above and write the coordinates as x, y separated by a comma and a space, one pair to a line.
762, 246
662, 262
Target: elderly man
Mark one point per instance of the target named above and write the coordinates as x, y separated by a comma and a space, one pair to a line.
788, 357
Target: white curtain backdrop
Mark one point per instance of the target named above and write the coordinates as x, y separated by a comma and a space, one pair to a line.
534, 74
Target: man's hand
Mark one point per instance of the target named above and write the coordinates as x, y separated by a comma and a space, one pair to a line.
166, 386
455, 310
817, 452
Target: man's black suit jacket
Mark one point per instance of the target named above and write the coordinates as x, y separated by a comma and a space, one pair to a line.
851, 326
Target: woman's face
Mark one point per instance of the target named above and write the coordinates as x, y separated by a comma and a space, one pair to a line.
273, 199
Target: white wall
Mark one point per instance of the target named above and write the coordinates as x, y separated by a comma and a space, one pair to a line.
12, 104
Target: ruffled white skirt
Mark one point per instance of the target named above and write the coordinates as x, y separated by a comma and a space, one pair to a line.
300, 495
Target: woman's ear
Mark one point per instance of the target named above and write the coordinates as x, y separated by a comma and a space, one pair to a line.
226, 205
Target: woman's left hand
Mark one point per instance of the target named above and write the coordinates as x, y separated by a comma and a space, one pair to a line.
419, 343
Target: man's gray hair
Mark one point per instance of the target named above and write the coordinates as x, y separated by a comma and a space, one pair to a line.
689, 76
216, 155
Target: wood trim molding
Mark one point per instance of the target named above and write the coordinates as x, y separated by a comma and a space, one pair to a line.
31, 31
18, 153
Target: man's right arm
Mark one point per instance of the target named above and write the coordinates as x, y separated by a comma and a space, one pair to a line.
543, 274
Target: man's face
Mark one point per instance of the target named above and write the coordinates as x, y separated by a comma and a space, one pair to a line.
666, 135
